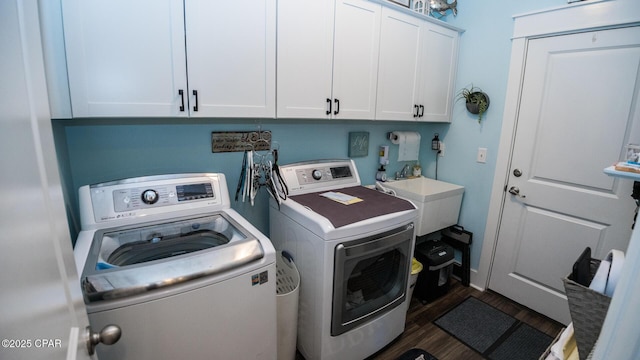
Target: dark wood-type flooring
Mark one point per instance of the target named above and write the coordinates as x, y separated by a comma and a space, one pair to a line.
421, 333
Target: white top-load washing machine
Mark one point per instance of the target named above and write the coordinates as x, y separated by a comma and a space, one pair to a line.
183, 275
353, 248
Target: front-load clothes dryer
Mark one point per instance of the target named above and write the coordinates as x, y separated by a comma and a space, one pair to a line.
183, 275
353, 247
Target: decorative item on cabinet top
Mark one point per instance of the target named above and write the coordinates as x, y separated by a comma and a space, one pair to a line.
405, 3
441, 7
428, 7
476, 101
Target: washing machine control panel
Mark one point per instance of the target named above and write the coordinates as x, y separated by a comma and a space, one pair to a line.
116, 200
143, 197
150, 197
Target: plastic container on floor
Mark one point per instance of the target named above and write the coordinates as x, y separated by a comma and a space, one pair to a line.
287, 293
416, 268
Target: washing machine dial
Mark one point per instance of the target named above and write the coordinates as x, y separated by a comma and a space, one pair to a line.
150, 196
317, 174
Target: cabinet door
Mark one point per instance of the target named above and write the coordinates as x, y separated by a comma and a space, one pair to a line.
400, 41
305, 58
355, 59
125, 58
437, 72
231, 54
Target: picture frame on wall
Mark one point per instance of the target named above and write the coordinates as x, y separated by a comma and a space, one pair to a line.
358, 143
405, 3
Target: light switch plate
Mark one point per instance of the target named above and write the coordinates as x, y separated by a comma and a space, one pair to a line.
482, 155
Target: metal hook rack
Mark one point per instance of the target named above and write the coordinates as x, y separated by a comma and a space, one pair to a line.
260, 170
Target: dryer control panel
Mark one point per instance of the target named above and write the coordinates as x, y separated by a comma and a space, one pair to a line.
311, 176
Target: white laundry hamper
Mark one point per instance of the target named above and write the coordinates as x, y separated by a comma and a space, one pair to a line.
287, 290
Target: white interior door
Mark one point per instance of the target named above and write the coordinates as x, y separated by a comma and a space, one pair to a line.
577, 112
42, 315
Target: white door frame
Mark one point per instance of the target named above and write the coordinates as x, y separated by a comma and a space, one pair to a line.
566, 19
42, 313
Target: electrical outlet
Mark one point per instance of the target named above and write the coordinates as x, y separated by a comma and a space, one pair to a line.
441, 152
482, 155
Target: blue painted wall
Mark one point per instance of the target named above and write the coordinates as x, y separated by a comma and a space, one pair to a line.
485, 51
93, 151
103, 150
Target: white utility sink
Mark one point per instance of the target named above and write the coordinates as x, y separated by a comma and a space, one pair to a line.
438, 202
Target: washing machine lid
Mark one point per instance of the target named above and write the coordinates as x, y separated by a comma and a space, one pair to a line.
127, 261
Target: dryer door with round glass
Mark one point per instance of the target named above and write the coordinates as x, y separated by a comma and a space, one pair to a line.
370, 277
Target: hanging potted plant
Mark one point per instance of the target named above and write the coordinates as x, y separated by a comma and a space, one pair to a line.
476, 100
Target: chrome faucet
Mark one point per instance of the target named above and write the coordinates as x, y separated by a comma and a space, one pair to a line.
403, 173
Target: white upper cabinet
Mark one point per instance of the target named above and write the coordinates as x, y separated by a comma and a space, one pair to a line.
336, 59
355, 59
398, 84
305, 58
327, 58
129, 58
231, 57
437, 69
418, 61
125, 58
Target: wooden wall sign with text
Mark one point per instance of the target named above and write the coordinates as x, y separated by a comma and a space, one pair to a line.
231, 141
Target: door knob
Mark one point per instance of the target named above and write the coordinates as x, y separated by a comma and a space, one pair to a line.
514, 190
109, 335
